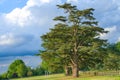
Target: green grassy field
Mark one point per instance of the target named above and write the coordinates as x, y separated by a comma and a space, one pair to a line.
62, 77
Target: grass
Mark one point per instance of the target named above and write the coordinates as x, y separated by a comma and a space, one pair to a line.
63, 77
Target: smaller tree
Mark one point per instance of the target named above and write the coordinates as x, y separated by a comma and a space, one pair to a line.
0, 77
17, 69
30, 71
112, 60
9, 75
117, 46
38, 71
3, 76
21, 70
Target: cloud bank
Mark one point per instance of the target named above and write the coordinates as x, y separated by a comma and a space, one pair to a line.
22, 27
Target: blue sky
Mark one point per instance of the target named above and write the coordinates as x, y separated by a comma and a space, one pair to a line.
22, 22
7, 6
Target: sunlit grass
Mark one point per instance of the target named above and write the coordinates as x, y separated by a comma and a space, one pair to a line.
63, 77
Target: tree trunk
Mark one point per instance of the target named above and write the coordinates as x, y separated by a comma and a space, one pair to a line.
66, 71
75, 70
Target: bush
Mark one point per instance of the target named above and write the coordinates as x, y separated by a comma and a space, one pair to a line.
17, 69
0, 77
9, 75
39, 71
4, 76
29, 73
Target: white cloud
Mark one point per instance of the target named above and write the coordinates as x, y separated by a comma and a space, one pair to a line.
19, 16
72, 0
10, 39
118, 39
112, 35
32, 3
111, 31
4, 65
25, 16
32, 19
36, 16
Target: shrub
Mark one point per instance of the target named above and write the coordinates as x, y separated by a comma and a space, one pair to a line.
4, 76
29, 73
17, 69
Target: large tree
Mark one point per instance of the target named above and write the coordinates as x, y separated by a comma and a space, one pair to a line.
74, 40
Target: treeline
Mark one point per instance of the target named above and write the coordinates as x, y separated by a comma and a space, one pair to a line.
18, 69
109, 61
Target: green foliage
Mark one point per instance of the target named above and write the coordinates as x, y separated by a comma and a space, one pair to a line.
117, 45
39, 71
29, 71
74, 41
112, 60
21, 70
3, 76
0, 77
51, 67
17, 69
10, 75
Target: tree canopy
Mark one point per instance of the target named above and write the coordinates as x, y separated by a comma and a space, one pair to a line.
17, 69
74, 41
